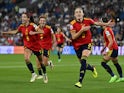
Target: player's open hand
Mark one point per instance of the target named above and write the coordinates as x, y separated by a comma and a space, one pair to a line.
111, 23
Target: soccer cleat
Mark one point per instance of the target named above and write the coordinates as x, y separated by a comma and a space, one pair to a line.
33, 78
39, 77
51, 64
45, 78
113, 79
78, 84
95, 74
120, 80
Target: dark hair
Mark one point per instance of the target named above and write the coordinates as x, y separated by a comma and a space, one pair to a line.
29, 16
105, 19
79, 8
32, 19
60, 28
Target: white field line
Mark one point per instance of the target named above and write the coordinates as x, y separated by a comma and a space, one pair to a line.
60, 65
23, 66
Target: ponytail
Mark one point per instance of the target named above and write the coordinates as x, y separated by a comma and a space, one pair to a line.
32, 19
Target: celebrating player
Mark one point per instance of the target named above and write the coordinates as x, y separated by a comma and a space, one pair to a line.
60, 38
81, 40
110, 51
47, 40
31, 43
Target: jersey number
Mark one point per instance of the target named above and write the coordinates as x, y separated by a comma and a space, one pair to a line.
26, 33
41, 36
58, 39
83, 35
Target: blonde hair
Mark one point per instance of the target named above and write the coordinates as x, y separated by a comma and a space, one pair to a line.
43, 16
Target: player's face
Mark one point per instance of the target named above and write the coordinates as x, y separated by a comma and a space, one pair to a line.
25, 18
58, 30
78, 14
42, 22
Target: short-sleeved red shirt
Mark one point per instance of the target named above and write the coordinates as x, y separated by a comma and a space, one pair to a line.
46, 38
86, 36
108, 31
30, 41
59, 38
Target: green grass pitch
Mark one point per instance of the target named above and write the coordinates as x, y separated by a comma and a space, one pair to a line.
14, 76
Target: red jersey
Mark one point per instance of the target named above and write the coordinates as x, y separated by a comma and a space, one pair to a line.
86, 36
59, 38
46, 38
30, 41
108, 31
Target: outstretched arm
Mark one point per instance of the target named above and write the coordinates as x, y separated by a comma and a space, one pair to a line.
66, 37
11, 32
37, 31
109, 23
53, 41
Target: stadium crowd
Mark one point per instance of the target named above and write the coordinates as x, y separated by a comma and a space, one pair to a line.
59, 13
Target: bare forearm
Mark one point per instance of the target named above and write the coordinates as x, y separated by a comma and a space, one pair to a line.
53, 38
101, 24
33, 33
66, 37
110, 45
76, 35
39, 32
11, 32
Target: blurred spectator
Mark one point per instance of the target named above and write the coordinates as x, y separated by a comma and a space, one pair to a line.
60, 12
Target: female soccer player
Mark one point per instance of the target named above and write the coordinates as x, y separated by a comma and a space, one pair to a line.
60, 38
111, 53
81, 40
47, 40
31, 43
